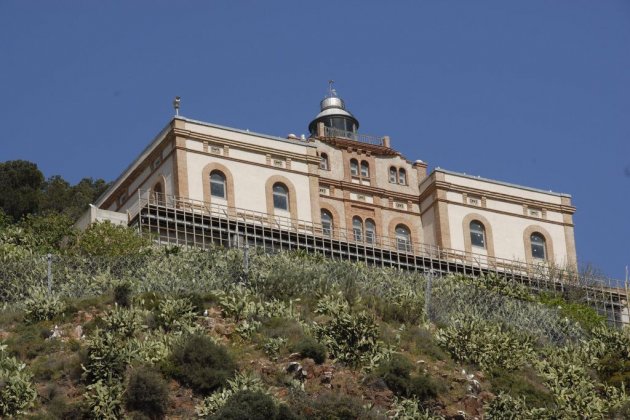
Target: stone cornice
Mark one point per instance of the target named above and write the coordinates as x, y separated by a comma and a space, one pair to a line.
250, 147
506, 198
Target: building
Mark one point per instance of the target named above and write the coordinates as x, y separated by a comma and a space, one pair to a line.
336, 185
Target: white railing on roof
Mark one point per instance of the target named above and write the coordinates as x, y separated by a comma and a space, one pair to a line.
363, 138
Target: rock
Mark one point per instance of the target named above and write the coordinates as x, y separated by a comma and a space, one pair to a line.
78, 332
293, 367
56, 333
327, 377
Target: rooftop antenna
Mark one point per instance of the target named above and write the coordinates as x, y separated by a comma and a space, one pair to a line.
331, 90
176, 103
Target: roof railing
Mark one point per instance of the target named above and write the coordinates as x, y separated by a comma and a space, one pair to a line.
363, 138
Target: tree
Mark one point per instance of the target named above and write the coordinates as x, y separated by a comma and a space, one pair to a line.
20, 184
108, 240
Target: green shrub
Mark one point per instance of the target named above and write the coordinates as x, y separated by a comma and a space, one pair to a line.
252, 405
122, 322
272, 347
523, 384
42, 306
396, 372
122, 294
422, 387
17, 391
351, 338
420, 340
311, 348
474, 340
104, 357
242, 381
614, 369
329, 405
104, 400
175, 314
197, 302
584, 315
147, 392
200, 364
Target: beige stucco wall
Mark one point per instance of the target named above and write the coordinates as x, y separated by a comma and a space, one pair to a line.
247, 138
428, 227
249, 183
502, 189
507, 233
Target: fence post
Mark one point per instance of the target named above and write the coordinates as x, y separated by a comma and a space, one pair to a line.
427, 294
245, 262
49, 276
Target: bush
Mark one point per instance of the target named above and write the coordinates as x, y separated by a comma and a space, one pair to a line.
396, 373
41, 306
523, 384
311, 348
175, 314
330, 405
17, 391
122, 294
201, 364
351, 338
250, 405
147, 392
473, 340
104, 358
104, 400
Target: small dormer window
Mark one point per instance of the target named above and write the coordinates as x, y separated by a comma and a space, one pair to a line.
354, 167
402, 177
323, 162
365, 169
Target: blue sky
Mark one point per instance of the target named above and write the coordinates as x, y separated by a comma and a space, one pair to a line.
529, 92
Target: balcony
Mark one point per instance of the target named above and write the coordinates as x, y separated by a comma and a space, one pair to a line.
363, 138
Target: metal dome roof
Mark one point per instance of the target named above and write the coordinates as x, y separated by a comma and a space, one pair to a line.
333, 105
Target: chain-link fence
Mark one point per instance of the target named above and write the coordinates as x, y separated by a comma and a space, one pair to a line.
440, 299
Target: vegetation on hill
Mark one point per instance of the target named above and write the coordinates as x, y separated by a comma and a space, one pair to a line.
133, 330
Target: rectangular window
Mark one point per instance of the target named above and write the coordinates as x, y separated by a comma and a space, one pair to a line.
477, 239
280, 202
217, 189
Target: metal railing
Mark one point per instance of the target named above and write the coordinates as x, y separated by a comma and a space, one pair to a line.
189, 222
363, 138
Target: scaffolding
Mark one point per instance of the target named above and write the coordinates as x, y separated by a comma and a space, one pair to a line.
192, 223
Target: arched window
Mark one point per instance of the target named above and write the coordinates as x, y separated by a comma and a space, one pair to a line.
158, 193
365, 169
357, 228
370, 231
217, 184
402, 177
323, 162
354, 167
392, 175
539, 246
477, 234
280, 196
327, 223
403, 238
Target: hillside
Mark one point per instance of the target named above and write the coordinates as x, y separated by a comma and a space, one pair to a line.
168, 332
